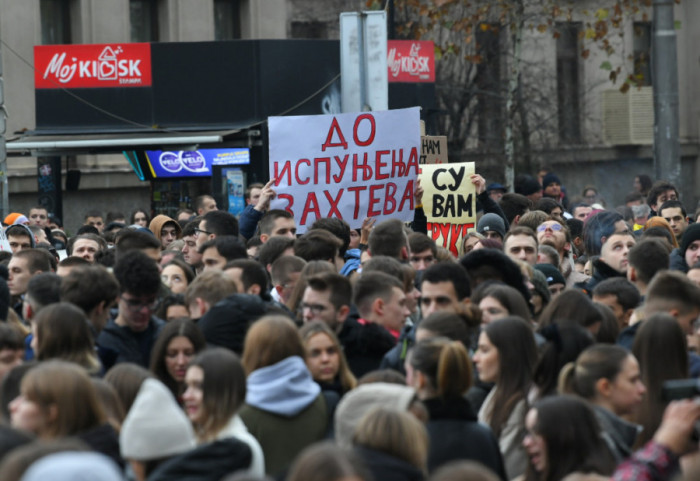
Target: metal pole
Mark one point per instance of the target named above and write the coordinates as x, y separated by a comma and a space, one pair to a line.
667, 161
3, 149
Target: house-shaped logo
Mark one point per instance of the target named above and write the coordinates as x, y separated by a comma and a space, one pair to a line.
107, 65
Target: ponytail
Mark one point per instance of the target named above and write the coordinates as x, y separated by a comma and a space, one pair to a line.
445, 364
565, 384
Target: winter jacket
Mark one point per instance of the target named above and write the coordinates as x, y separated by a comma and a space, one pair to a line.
385, 467
619, 434
285, 411
364, 344
209, 462
237, 429
511, 437
227, 323
677, 261
159, 221
103, 439
456, 434
248, 221
394, 359
601, 272
131, 346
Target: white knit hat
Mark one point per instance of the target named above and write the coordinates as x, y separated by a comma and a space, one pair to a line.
156, 427
359, 401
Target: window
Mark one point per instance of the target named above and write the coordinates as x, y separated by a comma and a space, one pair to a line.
488, 82
642, 52
568, 93
309, 30
227, 20
143, 16
55, 22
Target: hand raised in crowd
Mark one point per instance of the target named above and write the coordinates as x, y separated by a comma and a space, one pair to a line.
479, 183
266, 195
367, 225
677, 425
418, 193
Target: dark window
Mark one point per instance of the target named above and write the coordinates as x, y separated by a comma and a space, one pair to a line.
227, 20
55, 22
309, 30
568, 88
488, 81
642, 52
143, 16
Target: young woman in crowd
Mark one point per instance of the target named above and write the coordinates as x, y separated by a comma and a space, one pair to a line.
563, 345
61, 331
57, 400
497, 300
441, 373
177, 344
216, 389
126, 379
380, 441
506, 356
284, 408
177, 275
661, 348
327, 462
140, 217
325, 358
172, 307
572, 306
563, 437
608, 377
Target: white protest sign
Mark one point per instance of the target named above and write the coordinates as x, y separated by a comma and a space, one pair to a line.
351, 166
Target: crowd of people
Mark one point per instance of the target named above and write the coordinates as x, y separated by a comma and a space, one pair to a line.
562, 343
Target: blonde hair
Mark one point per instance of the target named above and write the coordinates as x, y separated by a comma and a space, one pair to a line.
345, 376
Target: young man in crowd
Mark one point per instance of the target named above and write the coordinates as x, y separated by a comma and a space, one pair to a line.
133, 332
327, 298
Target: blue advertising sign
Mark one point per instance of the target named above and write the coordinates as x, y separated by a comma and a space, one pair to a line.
197, 163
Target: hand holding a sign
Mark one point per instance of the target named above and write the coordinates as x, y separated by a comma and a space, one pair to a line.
418, 194
479, 183
266, 195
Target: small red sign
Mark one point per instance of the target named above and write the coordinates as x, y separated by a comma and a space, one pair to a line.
92, 66
411, 61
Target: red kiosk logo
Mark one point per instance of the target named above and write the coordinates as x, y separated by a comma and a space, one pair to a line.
90, 66
406, 64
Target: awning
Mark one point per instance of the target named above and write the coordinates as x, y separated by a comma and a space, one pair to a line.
47, 145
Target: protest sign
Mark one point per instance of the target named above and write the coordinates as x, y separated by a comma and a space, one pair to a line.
351, 166
449, 202
433, 149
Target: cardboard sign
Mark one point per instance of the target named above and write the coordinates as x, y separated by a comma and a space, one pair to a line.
433, 149
92, 66
449, 202
351, 166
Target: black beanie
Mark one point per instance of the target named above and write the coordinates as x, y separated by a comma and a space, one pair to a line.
691, 234
550, 179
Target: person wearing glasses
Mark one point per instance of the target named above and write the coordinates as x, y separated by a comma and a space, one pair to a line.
133, 332
553, 232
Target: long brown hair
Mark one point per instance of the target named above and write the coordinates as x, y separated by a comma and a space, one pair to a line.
66, 396
271, 339
223, 389
661, 348
517, 353
63, 333
345, 375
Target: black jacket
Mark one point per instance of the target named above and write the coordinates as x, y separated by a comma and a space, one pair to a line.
209, 462
131, 346
227, 323
103, 439
364, 345
394, 359
601, 272
385, 467
456, 434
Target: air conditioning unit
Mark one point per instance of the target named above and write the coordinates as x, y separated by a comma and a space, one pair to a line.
628, 119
